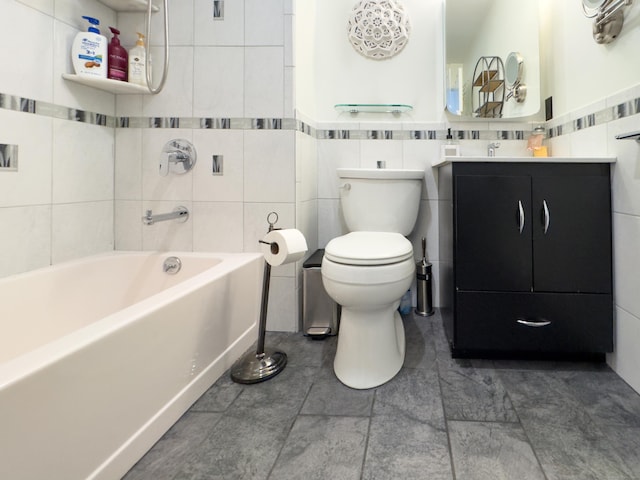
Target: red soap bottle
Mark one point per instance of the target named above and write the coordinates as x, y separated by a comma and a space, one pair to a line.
118, 62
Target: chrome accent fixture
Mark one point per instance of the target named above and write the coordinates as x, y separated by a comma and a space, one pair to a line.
172, 265
178, 156
609, 18
546, 216
147, 47
513, 71
491, 149
533, 323
520, 217
181, 213
629, 136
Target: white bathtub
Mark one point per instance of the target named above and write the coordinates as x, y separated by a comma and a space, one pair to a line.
100, 356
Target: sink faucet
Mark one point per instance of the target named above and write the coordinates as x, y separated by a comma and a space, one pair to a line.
491, 149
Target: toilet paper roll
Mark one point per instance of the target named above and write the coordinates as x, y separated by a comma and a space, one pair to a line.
285, 246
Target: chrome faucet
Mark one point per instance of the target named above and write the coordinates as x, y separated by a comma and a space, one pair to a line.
180, 212
491, 149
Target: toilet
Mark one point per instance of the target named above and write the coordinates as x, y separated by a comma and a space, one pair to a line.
368, 270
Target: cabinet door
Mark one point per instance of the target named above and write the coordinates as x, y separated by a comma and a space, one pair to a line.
493, 233
572, 234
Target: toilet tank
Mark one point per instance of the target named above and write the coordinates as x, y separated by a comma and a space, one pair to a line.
380, 200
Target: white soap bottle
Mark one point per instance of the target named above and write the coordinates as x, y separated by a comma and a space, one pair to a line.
138, 63
89, 51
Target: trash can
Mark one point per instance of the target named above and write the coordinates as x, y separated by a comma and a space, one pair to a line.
320, 314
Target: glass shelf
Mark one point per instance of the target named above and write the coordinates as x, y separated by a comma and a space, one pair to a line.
128, 5
373, 107
112, 86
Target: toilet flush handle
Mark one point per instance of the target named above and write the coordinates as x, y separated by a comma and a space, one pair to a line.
346, 186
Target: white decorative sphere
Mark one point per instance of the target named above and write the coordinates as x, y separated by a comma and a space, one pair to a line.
378, 29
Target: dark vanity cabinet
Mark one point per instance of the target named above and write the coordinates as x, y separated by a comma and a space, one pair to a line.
526, 258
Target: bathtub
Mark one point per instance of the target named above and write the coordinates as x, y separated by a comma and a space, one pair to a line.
100, 356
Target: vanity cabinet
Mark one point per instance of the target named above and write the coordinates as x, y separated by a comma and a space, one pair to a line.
529, 247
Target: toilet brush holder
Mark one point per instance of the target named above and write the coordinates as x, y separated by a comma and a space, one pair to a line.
264, 363
424, 303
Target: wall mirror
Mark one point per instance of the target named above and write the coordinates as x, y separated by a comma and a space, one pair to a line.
492, 29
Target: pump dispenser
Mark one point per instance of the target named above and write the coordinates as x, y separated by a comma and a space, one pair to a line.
89, 51
450, 149
118, 58
137, 63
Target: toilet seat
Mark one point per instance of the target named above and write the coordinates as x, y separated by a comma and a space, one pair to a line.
369, 249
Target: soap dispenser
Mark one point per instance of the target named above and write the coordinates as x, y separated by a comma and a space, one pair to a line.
138, 63
118, 58
89, 51
450, 149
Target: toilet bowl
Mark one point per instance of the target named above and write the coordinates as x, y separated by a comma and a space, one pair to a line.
367, 273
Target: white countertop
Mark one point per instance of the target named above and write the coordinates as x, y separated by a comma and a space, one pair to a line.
505, 159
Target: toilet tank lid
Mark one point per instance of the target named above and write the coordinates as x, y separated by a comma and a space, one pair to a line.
369, 248
381, 173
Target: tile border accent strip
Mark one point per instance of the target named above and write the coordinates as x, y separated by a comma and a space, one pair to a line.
37, 107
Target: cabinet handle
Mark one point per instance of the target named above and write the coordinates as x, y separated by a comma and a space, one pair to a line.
520, 216
533, 323
546, 218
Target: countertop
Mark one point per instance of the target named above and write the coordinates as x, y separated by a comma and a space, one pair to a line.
506, 159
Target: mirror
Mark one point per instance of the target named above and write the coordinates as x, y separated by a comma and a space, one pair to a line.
503, 30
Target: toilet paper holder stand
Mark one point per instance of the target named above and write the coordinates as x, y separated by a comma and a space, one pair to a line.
264, 363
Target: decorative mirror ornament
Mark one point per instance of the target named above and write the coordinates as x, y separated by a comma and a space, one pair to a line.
378, 29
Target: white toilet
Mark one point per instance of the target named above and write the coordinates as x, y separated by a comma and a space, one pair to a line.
369, 269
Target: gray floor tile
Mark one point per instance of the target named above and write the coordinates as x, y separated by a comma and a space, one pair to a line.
413, 393
420, 345
166, 457
580, 452
544, 397
243, 445
323, 447
626, 442
330, 397
479, 395
607, 398
401, 447
492, 451
219, 396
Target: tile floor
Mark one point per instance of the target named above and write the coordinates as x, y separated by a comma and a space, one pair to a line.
437, 419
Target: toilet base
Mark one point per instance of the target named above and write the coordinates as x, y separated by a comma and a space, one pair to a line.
371, 347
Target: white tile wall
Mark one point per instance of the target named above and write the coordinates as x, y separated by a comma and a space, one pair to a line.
219, 92
83, 163
26, 67
269, 161
264, 22
229, 31
31, 184
264, 82
228, 187
81, 229
28, 239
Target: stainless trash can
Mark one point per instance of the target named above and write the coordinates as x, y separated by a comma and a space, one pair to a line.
320, 314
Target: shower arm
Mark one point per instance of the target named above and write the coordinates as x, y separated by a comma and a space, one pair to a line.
147, 47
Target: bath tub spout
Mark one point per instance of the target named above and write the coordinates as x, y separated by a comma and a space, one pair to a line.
180, 212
